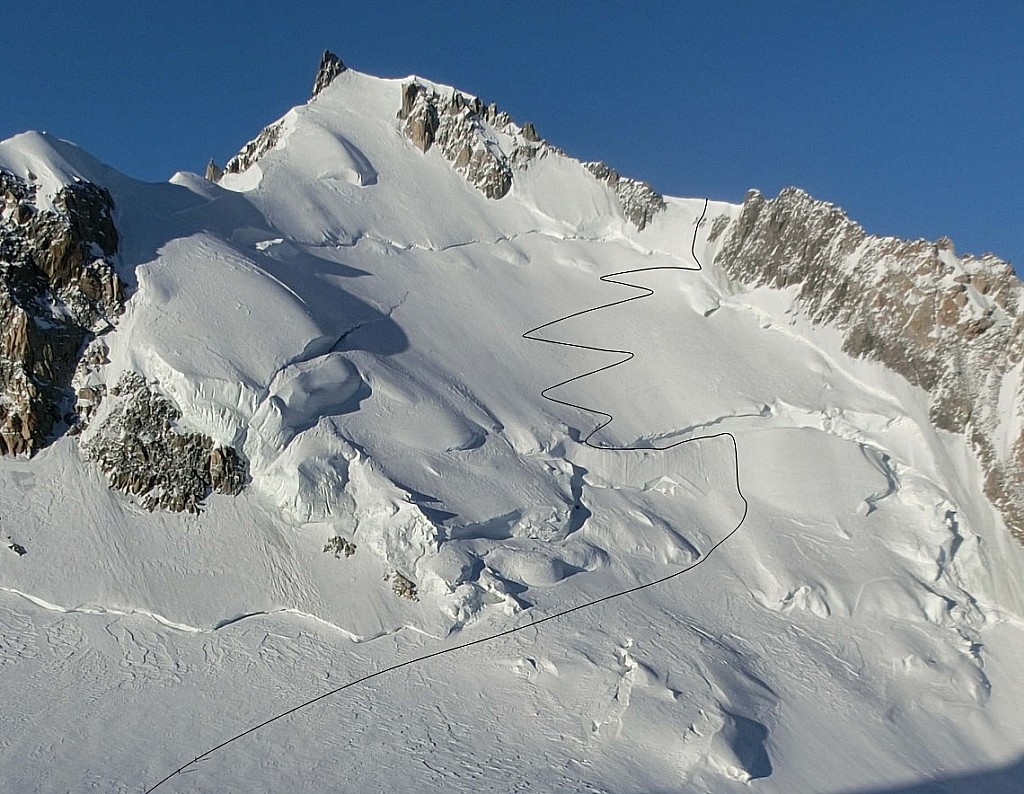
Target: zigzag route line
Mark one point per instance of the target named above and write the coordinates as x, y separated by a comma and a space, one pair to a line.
645, 292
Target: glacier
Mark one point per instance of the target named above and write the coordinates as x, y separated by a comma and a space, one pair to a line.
347, 310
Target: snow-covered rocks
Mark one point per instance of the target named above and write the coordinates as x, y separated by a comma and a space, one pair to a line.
951, 325
465, 132
348, 314
639, 201
138, 446
330, 67
488, 148
58, 288
246, 158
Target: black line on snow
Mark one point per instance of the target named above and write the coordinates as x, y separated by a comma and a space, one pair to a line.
646, 292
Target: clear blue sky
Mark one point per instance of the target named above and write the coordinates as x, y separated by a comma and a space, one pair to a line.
910, 115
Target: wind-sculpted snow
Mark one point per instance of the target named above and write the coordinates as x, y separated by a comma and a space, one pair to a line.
951, 325
348, 313
746, 756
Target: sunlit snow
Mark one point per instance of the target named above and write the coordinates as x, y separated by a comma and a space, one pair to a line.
349, 313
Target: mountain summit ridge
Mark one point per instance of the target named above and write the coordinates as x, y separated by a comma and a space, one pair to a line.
332, 450
481, 141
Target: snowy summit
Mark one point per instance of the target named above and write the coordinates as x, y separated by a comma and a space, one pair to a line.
403, 377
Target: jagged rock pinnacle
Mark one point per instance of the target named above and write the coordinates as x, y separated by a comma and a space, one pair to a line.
213, 171
59, 289
330, 67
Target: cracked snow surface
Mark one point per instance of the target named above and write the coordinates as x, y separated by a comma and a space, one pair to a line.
347, 312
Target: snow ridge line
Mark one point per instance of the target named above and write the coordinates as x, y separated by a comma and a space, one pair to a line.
646, 292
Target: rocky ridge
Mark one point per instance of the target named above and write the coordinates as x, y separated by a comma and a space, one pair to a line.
482, 143
639, 201
330, 67
138, 446
58, 290
951, 325
466, 132
267, 139
487, 147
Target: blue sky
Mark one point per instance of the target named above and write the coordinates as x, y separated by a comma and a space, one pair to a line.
910, 115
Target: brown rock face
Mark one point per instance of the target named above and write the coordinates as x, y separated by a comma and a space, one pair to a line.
639, 201
58, 289
464, 130
213, 172
467, 132
952, 326
421, 117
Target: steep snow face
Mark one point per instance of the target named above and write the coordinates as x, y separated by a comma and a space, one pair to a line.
347, 311
352, 137
952, 325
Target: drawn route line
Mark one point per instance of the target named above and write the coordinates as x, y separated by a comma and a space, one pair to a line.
645, 292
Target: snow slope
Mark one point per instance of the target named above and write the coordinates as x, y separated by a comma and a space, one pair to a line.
349, 313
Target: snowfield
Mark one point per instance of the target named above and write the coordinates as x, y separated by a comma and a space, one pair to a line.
349, 313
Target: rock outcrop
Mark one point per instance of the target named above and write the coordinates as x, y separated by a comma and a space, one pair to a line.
330, 67
487, 147
58, 290
267, 139
138, 447
213, 171
951, 325
466, 131
638, 200
402, 586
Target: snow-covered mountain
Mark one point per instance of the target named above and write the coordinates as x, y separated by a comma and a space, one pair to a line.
274, 429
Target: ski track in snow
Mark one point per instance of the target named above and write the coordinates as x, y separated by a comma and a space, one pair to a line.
626, 355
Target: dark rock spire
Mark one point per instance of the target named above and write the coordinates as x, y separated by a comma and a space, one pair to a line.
213, 171
330, 67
